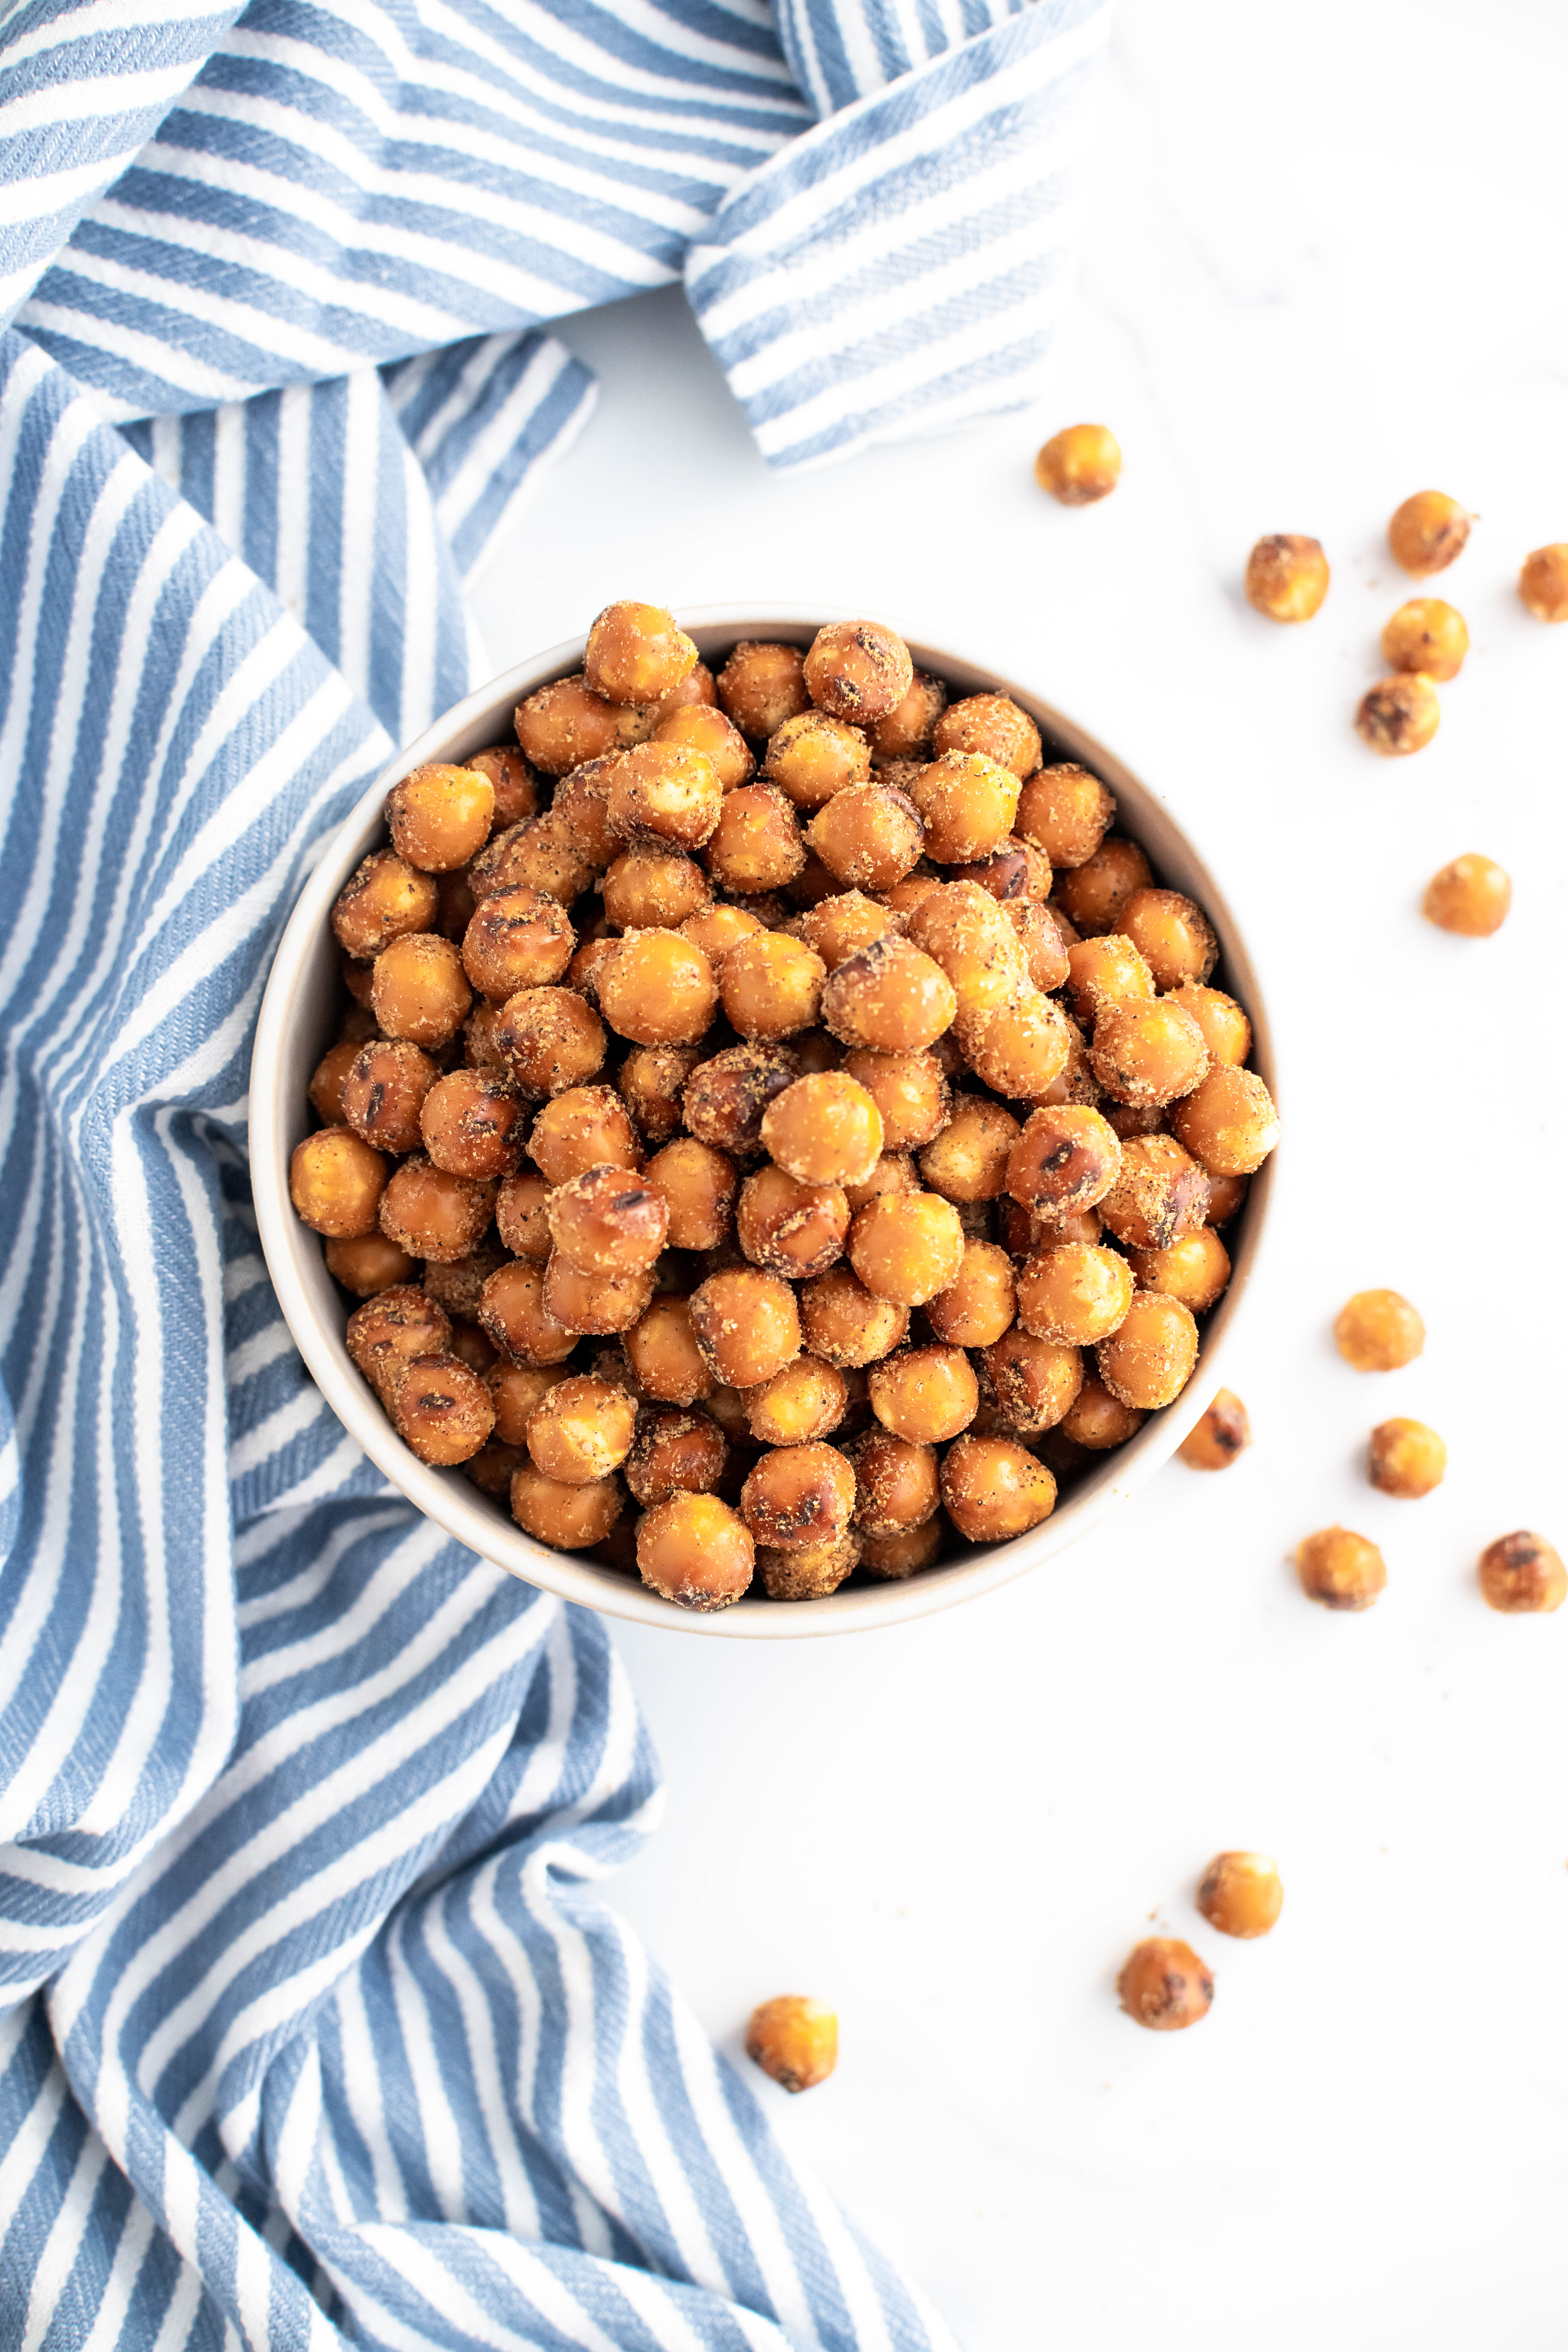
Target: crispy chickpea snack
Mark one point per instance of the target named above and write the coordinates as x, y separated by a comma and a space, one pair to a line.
778, 1126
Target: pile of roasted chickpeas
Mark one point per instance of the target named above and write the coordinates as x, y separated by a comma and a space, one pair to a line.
779, 1126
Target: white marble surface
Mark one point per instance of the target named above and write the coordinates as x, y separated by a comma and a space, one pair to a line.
1326, 270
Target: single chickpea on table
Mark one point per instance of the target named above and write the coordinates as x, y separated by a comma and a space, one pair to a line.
779, 1130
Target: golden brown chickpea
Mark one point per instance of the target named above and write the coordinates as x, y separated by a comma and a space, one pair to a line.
440, 816
1225, 1030
756, 845
1227, 1195
716, 928
581, 810
383, 898
384, 1092
823, 1129
697, 1186
746, 1325
432, 1214
910, 1092
388, 1331
1228, 1122
1107, 970
1173, 935
567, 1518
1195, 1269
803, 1402
658, 989
1406, 1458
1079, 466
480, 1051
696, 1551
905, 732
1067, 812
1043, 951
662, 1351
960, 927
895, 1486
336, 1181
795, 1230
1287, 577
516, 938
1093, 893
708, 730
725, 1097
581, 1430
581, 974
1340, 1569
561, 725
515, 1389
969, 1160
1159, 1194
993, 724
995, 1489
441, 1410
674, 1454
608, 1221
926, 1394
794, 2041
550, 1040
1543, 582
1148, 1054
867, 836
906, 1246
1016, 1049
840, 926
1067, 1159
1240, 1894
979, 1305
1034, 1381
511, 780
1076, 1294
368, 1263
771, 986
811, 757
1471, 895
636, 654
967, 803
1220, 1437
544, 853
858, 671
581, 1129
514, 1317
1148, 1359
1017, 873
1521, 1575
845, 1324
798, 1495
890, 1559
1428, 635
419, 992
595, 1304
905, 896
1097, 1421
1379, 1331
1428, 532
890, 997
1398, 715
664, 795
761, 686
1164, 1986
654, 890
650, 1081
472, 1123
808, 1571
493, 1468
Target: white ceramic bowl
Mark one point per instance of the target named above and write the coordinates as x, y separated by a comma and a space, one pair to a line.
300, 1015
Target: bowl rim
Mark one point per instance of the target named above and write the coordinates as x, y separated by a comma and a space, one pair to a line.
296, 1266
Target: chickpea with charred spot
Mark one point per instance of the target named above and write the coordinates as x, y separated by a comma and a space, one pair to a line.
1287, 577
1522, 1576
440, 816
1406, 1458
383, 898
694, 1551
1164, 1986
517, 939
793, 1229
858, 671
1398, 715
995, 1489
384, 1092
1241, 1894
1543, 582
1220, 1437
471, 1123
385, 1335
1428, 532
550, 1040
441, 1410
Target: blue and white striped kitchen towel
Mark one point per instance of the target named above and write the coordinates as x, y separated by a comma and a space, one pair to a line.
311, 2030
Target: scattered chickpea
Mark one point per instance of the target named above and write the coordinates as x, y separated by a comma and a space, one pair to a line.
694, 1551
1241, 1894
1543, 582
1398, 715
1428, 532
1340, 1569
1406, 1458
1287, 577
1379, 1331
1427, 636
858, 671
794, 2041
1471, 896
1521, 1575
995, 1489
1220, 1437
1164, 1985
1079, 466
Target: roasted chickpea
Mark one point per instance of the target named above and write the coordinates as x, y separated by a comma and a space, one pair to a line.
896, 1483
661, 1349
581, 1430
858, 671
926, 1394
1240, 1894
480, 1051
894, 1173
716, 928
368, 1263
1164, 1986
550, 1040
761, 686
1428, 532
707, 730
562, 725
515, 1389
1521, 1575
1287, 577
823, 1129
384, 1092
746, 1325
725, 1097
1173, 935
798, 1495
890, 997
697, 1186
794, 2041
795, 1230
967, 803
695, 1550
1107, 970
1222, 1433
1079, 466
906, 1246
756, 845
1428, 635
1471, 895
1067, 1159
455, 904
581, 812
654, 890
1543, 582
650, 1081
1034, 1381
1225, 1028
383, 898
1340, 1569
910, 1091
674, 1454
905, 732
581, 1129
868, 837
969, 1160
595, 1304
771, 986
658, 989
544, 853
385, 1335
848, 1325
636, 654
1043, 951
440, 1409
1129, 1119
581, 974
1159, 1194
890, 1559
808, 1571
666, 796
993, 724
995, 1489
1148, 1359
472, 1123
357, 979
608, 1221
511, 780
517, 938
440, 816
1228, 1122
812, 756
515, 1318
1097, 1421
1076, 1294
1406, 1458
962, 927
803, 1402
419, 992
978, 1306
1227, 1195
840, 926
1017, 873
1399, 715
433, 1213
1093, 893
336, 1181
567, 1518
1195, 1269
1379, 1331
1148, 1053
1019, 1049
1066, 812
905, 896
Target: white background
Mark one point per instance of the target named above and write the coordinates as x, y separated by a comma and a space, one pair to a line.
1327, 268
